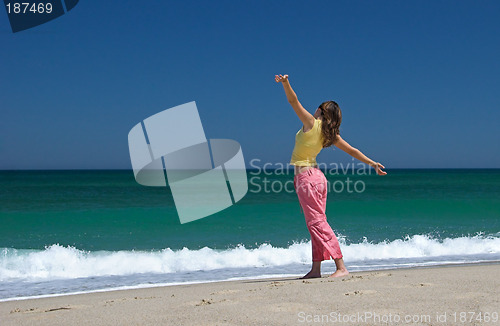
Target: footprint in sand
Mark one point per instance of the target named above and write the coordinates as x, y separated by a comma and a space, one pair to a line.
378, 274
366, 276
143, 298
26, 311
361, 292
276, 284
34, 310
350, 279
205, 302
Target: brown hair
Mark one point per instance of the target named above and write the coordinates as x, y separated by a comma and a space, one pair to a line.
331, 119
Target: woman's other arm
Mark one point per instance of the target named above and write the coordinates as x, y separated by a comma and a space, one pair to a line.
356, 153
304, 116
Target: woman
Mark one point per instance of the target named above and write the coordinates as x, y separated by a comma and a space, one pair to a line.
318, 131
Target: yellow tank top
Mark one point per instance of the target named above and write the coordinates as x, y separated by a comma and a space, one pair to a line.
307, 146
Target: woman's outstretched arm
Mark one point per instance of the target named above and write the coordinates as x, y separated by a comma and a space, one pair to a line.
356, 153
304, 116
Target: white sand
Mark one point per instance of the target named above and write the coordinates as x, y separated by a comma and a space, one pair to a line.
423, 296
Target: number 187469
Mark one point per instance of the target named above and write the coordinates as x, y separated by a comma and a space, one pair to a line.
27, 7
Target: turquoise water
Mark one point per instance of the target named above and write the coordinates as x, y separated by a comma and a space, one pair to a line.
67, 225
108, 210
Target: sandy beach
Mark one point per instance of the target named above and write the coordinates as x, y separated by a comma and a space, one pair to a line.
445, 295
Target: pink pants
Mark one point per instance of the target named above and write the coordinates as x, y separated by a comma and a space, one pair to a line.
311, 188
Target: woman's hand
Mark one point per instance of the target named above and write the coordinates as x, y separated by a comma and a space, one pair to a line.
378, 167
304, 116
280, 78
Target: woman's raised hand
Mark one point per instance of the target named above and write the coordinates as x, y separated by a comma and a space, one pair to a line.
280, 78
378, 167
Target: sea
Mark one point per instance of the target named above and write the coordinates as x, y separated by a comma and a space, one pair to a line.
76, 231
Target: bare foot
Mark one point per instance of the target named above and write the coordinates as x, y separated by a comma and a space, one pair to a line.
311, 274
340, 273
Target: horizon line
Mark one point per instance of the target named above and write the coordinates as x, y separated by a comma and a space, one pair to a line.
250, 169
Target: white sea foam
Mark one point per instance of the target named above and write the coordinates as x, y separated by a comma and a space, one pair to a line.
58, 262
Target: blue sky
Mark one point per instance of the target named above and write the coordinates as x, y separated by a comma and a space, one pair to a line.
417, 81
